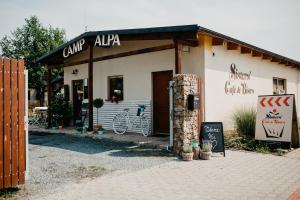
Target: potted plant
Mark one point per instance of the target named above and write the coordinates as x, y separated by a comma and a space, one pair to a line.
98, 103
206, 153
101, 130
196, 149
187, 152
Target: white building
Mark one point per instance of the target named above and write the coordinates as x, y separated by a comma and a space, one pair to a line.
136, 65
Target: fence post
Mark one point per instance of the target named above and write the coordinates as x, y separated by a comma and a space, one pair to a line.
26, 126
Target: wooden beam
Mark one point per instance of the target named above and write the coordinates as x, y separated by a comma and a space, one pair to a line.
245, 50
160, 36
256, 53
232, 46
123, 54
90, 87
266, 57
296, 66
178, 57
283, 62
274, 59
191, 43
217, 41
288, 64
49, 91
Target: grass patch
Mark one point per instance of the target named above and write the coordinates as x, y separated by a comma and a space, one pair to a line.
235, 142
44, 156
9, 192
91, 171
244, 121
91, 168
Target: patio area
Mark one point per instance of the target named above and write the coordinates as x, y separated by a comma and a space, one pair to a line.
159, 141
62, 157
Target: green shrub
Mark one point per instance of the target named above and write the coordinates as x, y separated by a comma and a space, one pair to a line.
98, 103
62, 109
187, 148
244, 121
206, 146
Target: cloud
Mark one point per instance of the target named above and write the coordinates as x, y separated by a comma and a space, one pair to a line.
270, 24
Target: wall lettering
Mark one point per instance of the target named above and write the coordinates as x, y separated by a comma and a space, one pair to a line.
237, 82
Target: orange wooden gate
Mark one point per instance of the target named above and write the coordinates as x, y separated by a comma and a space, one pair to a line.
12, 134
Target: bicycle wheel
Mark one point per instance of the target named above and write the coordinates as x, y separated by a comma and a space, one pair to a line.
120, 124
145, 126
43, 122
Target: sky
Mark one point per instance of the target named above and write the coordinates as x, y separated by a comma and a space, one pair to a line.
270, 24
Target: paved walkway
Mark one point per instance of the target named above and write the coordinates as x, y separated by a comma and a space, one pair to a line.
239, 176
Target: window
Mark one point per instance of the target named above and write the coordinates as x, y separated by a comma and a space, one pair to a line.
115, 84
279, 86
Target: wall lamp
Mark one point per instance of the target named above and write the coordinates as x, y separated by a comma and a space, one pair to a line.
75, 71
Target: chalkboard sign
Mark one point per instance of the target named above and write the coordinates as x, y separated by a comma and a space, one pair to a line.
213, 131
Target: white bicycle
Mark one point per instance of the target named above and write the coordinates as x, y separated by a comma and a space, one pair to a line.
122, 121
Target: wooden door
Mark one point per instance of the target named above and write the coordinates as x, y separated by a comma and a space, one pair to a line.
161, 101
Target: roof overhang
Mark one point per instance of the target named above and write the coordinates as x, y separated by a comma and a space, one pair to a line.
185, 32
254, 49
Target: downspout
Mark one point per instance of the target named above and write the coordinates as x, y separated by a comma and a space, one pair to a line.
297, 106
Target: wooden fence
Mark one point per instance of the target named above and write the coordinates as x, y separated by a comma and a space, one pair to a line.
12, 135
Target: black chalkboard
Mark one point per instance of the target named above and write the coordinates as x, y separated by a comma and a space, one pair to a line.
213, 131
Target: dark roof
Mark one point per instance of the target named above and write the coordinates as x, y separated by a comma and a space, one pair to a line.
138, 31
216, 34
194, 28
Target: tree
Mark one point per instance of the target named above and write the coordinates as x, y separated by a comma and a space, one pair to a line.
98, 103
30, 42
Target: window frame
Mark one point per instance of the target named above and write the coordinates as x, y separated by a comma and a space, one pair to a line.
109, 87
277, 79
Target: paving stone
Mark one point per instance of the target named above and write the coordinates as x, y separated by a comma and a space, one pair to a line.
240, 175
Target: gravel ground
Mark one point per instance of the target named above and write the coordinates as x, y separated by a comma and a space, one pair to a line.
58, 159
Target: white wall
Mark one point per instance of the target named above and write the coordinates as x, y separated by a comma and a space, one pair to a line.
220, 106
137, 76
69, 77
136, 71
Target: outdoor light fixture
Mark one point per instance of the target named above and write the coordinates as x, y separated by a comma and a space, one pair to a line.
186, 49
75, 71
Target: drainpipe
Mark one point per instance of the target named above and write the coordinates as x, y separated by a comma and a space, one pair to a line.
171, 111
297, 106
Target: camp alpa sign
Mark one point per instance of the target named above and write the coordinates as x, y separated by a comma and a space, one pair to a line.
100, 41
73, 48
276, 118
107, 40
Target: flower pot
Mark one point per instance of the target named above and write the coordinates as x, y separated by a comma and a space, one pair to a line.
196, 152
205, 155
187, 156
100, 132
97, 127
60, 127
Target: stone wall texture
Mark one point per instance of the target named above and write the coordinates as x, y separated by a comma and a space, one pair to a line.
185, 122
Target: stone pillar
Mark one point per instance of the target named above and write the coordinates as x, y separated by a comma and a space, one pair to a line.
185, 123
